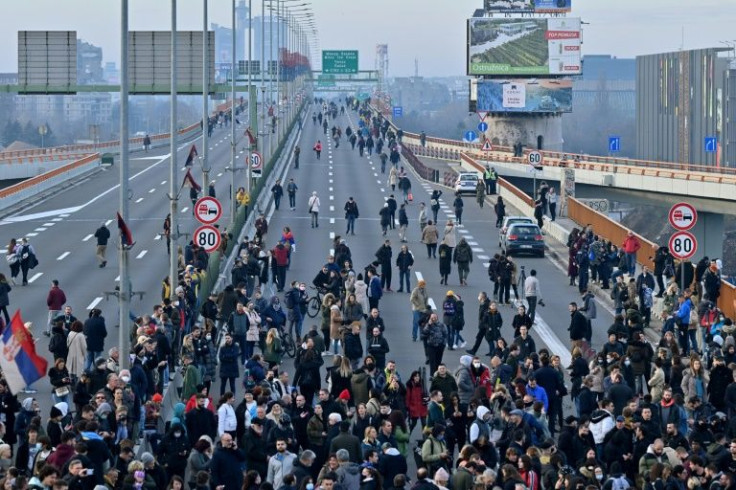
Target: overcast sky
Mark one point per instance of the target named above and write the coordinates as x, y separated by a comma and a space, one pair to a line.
433, 31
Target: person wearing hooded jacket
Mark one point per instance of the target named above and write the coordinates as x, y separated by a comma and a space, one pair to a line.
173, 451
480, 426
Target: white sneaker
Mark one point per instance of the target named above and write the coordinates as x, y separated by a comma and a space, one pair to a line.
454, 346
462, 344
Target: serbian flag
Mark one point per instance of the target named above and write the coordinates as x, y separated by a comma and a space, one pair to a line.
192, 153
20, 364
126, 236
188, 179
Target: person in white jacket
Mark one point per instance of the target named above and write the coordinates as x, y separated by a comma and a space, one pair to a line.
226, 421
602, 422
313, 204
280, 464
533, 293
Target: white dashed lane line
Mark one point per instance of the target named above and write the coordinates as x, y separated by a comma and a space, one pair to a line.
142, 254
35, 276
63, 256
85, 239
139, 200
94, 302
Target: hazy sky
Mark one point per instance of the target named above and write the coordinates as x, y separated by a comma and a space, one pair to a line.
433, 31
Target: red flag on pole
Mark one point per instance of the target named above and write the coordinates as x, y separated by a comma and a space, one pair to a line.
126, 237
189, 179
190, 158
251, 139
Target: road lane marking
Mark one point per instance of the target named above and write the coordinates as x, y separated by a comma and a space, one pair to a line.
35, 276
332, 221
332, 235
107, 223
85, 239
94, 302
332, 208
48, 224
484, 257
152, 191
185, 209
142, 254
40, 229
220, 174
31, 234
157, 237
383, 190
163, 182
57, 219
63, 256
471, 243
138, 200
478, 249
553, 341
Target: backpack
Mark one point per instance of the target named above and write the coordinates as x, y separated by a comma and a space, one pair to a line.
449, 308
249, 382
620, 483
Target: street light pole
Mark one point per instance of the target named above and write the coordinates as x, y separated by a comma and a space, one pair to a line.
250, 91
173, 170
270, 75
205, 102
124, 292
232, 126
264, 66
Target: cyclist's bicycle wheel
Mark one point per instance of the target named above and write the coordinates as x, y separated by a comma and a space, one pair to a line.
313, 307
289, 346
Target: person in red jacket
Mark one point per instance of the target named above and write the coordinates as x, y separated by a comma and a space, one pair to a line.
281, 257
55, 301
415, 406
630, 246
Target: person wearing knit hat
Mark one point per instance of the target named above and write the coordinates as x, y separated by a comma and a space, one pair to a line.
344, 395
147, 459
441, 478
157, 398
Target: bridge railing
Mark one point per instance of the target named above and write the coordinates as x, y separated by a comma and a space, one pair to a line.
57, 151
609, 229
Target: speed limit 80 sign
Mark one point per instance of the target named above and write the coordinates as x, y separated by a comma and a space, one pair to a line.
683, 245
207, 237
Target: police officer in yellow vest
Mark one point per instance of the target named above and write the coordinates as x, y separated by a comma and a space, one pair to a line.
489, 178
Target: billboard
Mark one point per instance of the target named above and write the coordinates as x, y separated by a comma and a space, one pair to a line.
530, 96
524, 46
536, 6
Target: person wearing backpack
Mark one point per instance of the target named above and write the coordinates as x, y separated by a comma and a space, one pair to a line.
618, 480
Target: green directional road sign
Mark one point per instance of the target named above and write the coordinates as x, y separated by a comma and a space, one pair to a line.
340, 61
326, 81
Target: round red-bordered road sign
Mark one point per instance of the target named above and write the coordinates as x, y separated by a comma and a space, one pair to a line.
208, 238
683, 245
683, 216
207, 210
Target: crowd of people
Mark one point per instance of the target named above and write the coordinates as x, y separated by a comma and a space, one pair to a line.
636, 412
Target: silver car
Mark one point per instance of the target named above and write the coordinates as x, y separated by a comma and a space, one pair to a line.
466, 182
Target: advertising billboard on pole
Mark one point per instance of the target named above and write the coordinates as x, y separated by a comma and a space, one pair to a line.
535, 6
514, 95
524, 46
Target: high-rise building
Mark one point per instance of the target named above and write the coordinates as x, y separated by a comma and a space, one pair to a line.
89, 63
679, 106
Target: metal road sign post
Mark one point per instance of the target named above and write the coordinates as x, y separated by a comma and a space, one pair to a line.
207, 210
682, 217
614, 144
535, 160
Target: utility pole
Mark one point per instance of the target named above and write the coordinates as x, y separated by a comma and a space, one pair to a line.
270, 77
232, 127
173, 170
205, 102
124, 292
264, 66
252, 121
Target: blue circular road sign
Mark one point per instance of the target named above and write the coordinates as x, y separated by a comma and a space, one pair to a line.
483, 127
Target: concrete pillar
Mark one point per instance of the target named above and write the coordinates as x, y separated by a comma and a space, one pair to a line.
709, 233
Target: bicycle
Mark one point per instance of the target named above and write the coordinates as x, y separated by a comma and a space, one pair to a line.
314, 304
287, 342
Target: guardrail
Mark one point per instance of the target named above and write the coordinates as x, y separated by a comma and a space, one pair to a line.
34, 185
419, 167
87, 148
609, 229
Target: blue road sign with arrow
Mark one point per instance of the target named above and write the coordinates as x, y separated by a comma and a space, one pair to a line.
711, 144
614, 144
470, 136
483, 127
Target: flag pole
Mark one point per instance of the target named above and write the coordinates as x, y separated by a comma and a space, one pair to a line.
124, 292
173, 170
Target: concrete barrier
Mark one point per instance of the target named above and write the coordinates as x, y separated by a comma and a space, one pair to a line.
35, 185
